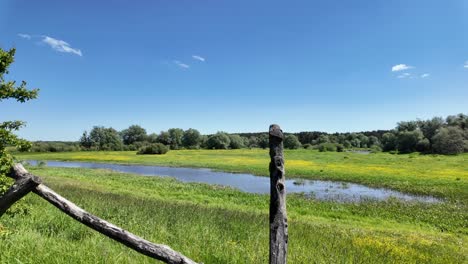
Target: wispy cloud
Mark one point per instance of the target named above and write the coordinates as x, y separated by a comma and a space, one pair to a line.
404, 75
181, 65
466, 65
425, 75
25, 36
60, 45
200, 58
401, 67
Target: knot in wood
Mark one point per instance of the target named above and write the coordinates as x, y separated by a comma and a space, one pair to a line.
278, 161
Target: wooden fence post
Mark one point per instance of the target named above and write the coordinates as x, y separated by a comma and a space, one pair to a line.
278, 217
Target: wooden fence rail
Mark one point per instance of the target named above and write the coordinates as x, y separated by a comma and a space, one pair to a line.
26, 182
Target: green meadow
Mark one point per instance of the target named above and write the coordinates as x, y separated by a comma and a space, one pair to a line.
214, 224
437, 175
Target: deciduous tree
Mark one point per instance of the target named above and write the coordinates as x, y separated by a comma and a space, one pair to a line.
10, 90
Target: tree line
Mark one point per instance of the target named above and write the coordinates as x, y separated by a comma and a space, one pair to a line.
135, 137
437, 135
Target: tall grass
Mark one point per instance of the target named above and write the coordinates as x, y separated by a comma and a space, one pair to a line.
212, 224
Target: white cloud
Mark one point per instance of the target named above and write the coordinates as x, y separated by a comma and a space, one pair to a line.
196, 57
425, 75
404, 75
182, 65
25, 36
401, 67
466, 65
60, 45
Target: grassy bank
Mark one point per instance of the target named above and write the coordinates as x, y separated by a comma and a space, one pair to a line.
442, 176
221, 225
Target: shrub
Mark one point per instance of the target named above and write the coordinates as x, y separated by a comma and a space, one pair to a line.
191, 138
219, 140
449, 140
375, 149
339, 148
291, 142
423, 145
307, 146
389, 141
327, 147
237, 142
263, 141
156, 148
54, 146
133, 134
407, 140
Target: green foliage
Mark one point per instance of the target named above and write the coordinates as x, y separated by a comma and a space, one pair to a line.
219, 140
101, 138
253, 142
375, 149
423, 145
85, 141
175, 135
191, 138
347, 144
429, 136
132, 134
460, 120
153, 138
54, 146
339, 148
407, 126
407, 140
236, 142
156, 148
429, 127
373, 141
308, 146
164, 138
322, 139
135, 146
291, 142
9, 90
449, 140
327, 147
263, 141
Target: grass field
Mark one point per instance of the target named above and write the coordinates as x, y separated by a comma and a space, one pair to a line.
442, 176
214, 224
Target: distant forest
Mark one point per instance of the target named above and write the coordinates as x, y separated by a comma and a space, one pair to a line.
437, 135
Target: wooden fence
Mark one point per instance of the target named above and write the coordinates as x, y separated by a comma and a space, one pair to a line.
26, 182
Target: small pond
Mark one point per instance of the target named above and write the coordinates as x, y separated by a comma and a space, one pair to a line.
322, 190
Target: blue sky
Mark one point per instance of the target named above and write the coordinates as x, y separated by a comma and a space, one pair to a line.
234, 66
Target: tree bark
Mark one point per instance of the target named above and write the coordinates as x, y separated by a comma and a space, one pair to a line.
157, 251
278, 217
20, 188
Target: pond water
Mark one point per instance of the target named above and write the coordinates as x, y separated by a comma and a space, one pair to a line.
318, 189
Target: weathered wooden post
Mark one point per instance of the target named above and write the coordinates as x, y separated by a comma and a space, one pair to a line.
278, 217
